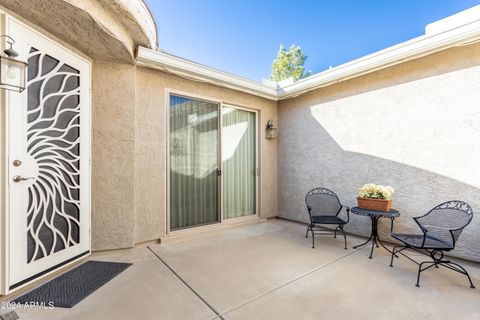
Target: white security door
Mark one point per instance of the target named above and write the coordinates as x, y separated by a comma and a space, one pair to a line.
48, 158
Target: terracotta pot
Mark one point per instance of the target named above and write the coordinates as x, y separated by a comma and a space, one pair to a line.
375, 204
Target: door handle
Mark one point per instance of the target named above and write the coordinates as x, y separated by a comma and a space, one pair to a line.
17, 178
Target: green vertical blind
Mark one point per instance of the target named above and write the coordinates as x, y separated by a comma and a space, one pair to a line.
193, 162
239, 162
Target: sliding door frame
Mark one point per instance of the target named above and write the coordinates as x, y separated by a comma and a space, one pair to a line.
256, 112
221, 220
168, 94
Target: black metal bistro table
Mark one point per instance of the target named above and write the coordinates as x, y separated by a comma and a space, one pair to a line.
374, 216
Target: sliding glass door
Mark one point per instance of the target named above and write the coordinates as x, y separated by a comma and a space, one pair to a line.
239, 162
194, 162
195, 178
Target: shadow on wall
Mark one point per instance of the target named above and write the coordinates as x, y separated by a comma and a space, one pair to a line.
411, 126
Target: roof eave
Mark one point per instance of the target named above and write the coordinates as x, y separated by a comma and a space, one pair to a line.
409, 50
198, 72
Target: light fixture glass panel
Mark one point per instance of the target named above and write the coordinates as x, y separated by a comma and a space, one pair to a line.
12, 74
271, 133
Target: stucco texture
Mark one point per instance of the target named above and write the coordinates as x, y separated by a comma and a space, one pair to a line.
414, 126
107, 29
113, 126
150, 146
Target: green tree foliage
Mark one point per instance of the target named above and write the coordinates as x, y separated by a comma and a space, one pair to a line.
289, 64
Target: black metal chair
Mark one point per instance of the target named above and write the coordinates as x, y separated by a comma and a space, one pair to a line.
323, 208
440, 228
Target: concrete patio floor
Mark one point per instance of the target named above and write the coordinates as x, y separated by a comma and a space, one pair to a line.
268, 270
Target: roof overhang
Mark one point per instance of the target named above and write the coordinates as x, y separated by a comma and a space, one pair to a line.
409, 50
109, 30
424, 45
195, 71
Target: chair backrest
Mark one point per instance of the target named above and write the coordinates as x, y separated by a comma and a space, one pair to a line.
446, 221
322, 202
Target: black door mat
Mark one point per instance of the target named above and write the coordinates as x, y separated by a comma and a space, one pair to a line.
75, 285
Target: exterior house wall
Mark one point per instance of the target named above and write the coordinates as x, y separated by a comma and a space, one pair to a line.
414, 126
129, 151
106, 32
113, 125
151, 146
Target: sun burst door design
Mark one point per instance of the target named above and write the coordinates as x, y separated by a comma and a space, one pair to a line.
49, 152
53, 141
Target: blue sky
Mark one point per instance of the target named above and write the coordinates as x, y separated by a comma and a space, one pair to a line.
242, 37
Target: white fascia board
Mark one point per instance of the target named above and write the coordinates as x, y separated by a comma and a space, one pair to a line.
195, 71
412, 49
454, 21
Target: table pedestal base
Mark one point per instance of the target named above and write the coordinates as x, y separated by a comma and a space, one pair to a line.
374, 239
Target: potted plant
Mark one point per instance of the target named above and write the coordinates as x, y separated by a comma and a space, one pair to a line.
375, 197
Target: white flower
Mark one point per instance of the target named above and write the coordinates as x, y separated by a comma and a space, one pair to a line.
373, 191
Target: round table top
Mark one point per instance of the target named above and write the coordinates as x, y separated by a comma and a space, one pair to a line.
367, 212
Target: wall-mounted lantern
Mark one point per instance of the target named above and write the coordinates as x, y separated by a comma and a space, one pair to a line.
12, 71
270, 130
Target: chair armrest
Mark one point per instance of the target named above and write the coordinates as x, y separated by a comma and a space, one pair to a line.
424, 230
422, 227
347, 209
309, 209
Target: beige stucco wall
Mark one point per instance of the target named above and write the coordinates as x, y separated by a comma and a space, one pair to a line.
113, 126
150, 146
415, 126
129, 151
128, 114
101, 29
105, 31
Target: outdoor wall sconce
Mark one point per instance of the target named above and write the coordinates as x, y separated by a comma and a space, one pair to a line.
12, 71
270, 130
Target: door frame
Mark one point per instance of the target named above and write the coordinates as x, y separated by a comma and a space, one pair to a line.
6, 20
256, 112
221, 221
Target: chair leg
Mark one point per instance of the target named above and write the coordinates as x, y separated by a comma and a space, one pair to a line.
462, 269
393, 255
310, 228
420, 270
344, 236
435, 263
313, 237
418, 274
335, 234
